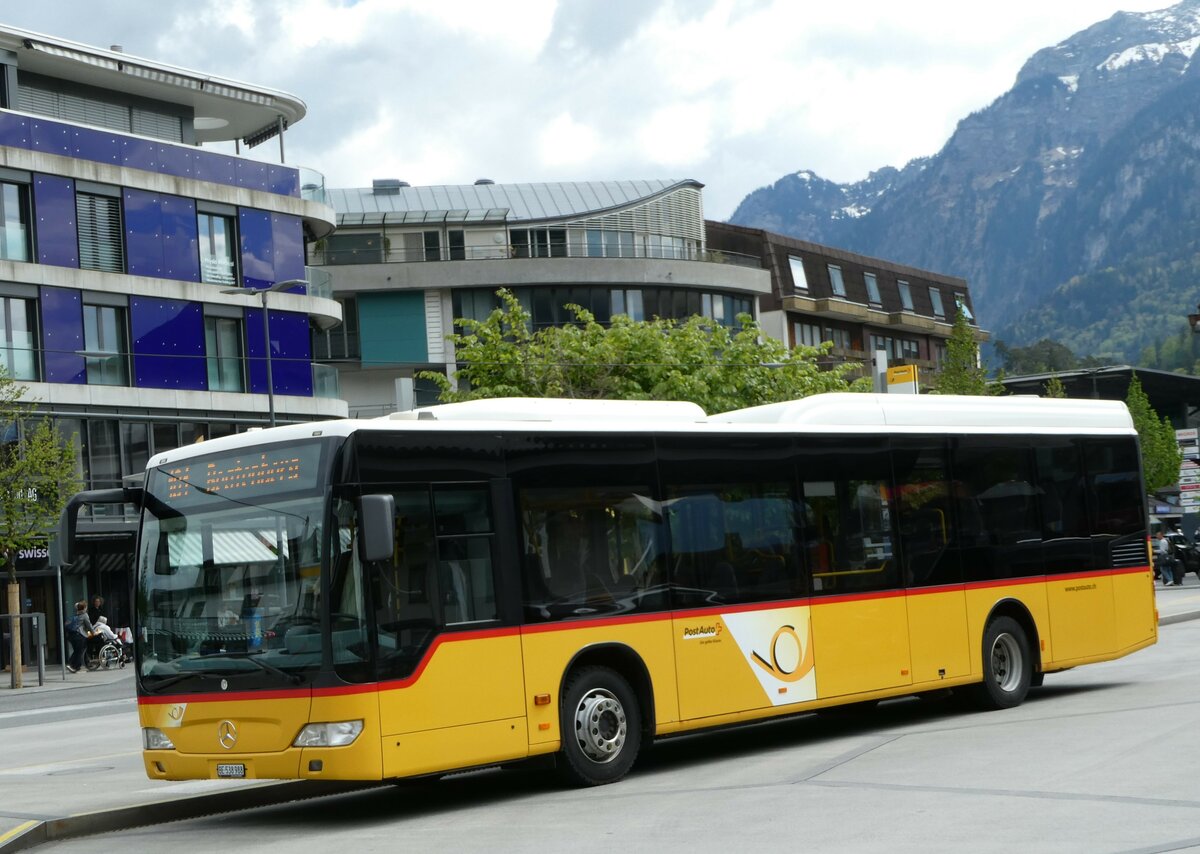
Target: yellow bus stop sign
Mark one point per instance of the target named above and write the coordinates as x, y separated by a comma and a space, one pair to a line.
902, 379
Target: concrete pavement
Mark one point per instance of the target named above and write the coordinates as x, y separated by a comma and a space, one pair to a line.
73, 767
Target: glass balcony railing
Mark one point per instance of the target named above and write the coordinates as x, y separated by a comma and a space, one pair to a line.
320, 282
325, 381
312, 185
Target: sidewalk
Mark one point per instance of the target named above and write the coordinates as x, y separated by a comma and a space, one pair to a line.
55, 682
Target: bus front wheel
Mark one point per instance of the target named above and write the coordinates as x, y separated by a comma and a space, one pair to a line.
601, 727
1007, 665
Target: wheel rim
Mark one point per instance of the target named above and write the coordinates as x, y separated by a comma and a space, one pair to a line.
1007, 663
600, 725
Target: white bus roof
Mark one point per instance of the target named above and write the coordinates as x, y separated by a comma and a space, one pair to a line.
823, 413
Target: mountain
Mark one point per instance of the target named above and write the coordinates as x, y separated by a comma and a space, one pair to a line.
1084, 174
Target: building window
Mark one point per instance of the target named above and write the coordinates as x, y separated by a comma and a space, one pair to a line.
896, 348
18, 337
905, 295
456, 242
106, 344
545, 243
422, 246
807, 334
218, 262
595, 243
100, 243
628, 302
835, 279
799, 280
353, 248
960, 301
341, 342
14, 211
935, 296
872, 289
840, 337
223, 349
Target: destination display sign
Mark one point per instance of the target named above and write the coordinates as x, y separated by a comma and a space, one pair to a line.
249, 474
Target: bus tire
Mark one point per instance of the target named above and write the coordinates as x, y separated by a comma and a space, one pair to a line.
601, 727
1007, 665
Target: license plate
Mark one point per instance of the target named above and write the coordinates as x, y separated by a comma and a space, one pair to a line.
231, 770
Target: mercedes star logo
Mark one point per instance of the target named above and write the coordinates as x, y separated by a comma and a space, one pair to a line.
227, 734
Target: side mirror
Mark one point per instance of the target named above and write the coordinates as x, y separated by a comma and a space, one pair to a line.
376, 527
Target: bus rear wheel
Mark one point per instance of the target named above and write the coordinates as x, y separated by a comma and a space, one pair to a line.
1007, 665
601, 727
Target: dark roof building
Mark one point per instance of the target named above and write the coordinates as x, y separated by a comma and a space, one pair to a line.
861, 304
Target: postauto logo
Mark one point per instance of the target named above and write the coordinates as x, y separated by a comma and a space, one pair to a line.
698, 632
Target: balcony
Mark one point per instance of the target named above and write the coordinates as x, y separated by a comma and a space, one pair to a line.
386, 254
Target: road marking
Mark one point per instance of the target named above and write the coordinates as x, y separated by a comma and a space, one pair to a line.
57, 710
17, 831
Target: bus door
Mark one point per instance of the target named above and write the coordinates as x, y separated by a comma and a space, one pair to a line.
859, 614
1082, 611
448, 656
928, 507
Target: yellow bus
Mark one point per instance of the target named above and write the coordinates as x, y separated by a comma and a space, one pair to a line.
486, 582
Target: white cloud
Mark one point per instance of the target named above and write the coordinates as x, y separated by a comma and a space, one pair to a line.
566, 142
735, 93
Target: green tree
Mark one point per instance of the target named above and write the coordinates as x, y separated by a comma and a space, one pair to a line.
695, 360
1045, 356
961, 372
37, 476
1160, 451
1054, 388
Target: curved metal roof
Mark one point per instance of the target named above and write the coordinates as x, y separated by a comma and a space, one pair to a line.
494, 202
232, 109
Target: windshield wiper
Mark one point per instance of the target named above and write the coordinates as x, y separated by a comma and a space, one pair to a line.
294, 678
168, 681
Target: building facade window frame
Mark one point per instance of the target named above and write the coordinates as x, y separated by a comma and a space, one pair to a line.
872, 283
100, 226
20, 355
106, 331
906, 300
225, 349
799, 279
836, 281
939, 308
217, 243
807, 334
16, 241
342, 342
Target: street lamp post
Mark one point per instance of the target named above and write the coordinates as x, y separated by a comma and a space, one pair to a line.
262, 294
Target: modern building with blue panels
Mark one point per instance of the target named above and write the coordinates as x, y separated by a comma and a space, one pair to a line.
135, 266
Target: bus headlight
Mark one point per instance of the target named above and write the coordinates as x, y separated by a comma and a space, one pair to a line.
335, 734
154, 738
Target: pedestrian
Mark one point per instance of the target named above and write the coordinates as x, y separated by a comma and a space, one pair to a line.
97, 610
78, 630
1162, 559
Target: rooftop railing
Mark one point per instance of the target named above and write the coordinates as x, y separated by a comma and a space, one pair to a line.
577, 251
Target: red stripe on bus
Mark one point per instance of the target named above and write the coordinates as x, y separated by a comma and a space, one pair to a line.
563, 626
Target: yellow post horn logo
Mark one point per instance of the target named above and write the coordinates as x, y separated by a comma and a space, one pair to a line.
773, 667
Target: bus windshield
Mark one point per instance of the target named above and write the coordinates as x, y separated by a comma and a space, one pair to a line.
229, 567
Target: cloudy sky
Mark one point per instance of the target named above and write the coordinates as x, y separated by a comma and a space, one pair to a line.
734, 93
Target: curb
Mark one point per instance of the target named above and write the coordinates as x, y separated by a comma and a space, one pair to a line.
1179, 618
34, 833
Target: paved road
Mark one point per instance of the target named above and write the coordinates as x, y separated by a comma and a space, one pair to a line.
1103, 759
